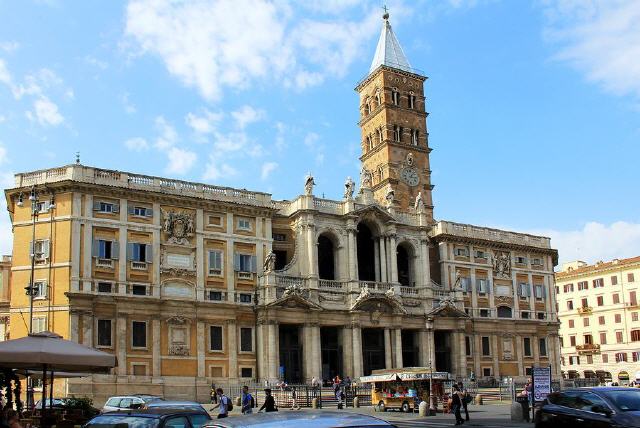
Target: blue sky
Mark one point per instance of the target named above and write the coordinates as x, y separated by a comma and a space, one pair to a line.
534, 104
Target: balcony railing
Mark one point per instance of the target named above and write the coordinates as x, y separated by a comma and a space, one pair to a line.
588, 348
138, 265
376, 287
585, 310
286, 281
104, 263
329, 284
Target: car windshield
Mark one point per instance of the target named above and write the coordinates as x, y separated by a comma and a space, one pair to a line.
117, 421
199, 420
626, 400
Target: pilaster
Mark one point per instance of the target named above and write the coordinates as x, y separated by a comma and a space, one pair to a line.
398, 347
156, 362
121, 339
200, 350
388, 364
232, 342
357, 350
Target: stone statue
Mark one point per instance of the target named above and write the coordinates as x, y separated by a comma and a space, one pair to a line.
390, 196
308, 184
365, 178
292, 290
348, 188
269, 262
419, 204
501, 262
364, 294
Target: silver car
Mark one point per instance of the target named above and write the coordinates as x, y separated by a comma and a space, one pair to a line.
128, 402
315, 419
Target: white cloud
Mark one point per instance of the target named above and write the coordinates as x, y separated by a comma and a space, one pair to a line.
204, 124
5, 75
45, 112
95, 62
310, 139
137, 144
9, 46
6, 182
216, 169
247, 115
596, 241
3, 154
600, 38
167, 134
281, 129
180, 160
206, 44
267, 169
3, 118
129, 107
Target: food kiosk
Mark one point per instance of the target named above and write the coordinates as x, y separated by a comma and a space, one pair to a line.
404, 389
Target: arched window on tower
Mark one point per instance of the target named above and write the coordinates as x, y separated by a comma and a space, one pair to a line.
369, 142
412, 100
378, 102
367, 107
414, 136
395, 96
380, 173
397, 133
380, 139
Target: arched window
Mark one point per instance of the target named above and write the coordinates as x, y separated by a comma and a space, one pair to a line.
326, 258
369, 142
412, 100
397, 133
414, 136
378, 102
380, 135
405, 265
395, 96
505, 312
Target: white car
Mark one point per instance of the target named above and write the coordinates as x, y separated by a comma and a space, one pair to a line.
127, 402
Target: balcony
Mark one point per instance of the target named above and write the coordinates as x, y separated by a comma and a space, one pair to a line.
588, 349
634, 304
328, 284
138, 265
585, 310
104, 263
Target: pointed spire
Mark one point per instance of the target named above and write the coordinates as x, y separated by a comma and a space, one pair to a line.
389, 52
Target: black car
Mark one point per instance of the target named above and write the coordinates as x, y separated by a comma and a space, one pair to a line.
151, 418
591, 408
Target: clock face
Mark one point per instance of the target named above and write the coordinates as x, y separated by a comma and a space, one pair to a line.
410, 176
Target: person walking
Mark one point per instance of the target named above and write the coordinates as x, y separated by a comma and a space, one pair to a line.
247, 401
466, 399
224, 404
269, 404
456, 404
294, 399
315, 386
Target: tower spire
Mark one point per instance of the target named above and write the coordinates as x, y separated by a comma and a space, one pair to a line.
389, 52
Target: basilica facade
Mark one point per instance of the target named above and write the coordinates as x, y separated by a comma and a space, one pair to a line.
191, 283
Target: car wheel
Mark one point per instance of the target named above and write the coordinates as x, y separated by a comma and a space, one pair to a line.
382, 407
405, 407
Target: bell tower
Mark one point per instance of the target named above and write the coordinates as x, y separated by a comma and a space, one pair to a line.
393, 124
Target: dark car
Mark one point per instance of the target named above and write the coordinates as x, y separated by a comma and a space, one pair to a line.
591, 408
297, 419
151, 418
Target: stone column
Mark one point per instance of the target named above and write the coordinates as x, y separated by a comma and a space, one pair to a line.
383, 259
536, 350
462, 353
423, 345
347, 351
261, 355
274, 353
229, 272
477, 355
155, 245
312, 248
357, 351
87, 329
202, 259
87, 257
376, 258
516, 297
156, 362
398, 347
426, 276
519, 354
474, 291
532, 298
307, 352
73, 326
122, 256
200, 351
316, 346
495, 355
353, 257
394, 258
431, 342
388, 364
232, 341
121, 347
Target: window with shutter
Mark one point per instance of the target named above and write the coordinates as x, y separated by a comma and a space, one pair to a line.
40, 288
215, 262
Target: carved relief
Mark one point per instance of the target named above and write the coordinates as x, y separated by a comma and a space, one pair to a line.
178, 226
501, 262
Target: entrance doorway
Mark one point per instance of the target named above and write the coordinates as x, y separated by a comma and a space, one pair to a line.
409, 349
366, 254
290, 354
372, 350
331, 352
442, 344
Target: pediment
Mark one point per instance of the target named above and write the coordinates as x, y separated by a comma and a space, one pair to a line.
373, 211
378, 303
295, 301
447, 309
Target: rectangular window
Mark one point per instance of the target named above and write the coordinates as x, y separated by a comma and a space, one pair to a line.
215, 338
40, 289
589, 359
541, 315
630, 277
245, 298
105, 207
585, 322
600, 300
571, 323
527, 346
614, 280
40, 250
521, 260
635, 356
569, 305
526, 315
524, 290
244, 224
536, 261
603, 338
105, 249
104, 332
215, 295
601, 320
39, 324
214, 220
486, 346
588, 339
467, 346
246, 339
461, 252
568, 288
619, 337
246, 372
585, 303
245, 263
616, 298
598, 282
572, 340
215, 262
139, 334
484, 313
618, 318
486, 372
539, 289
527, 371
139, 290
481, 285
635, 335
605, 358
583, 285
139, 252
139, 369
480, 254
104, 287
621, 357
634, 316
542, 345
633, 300
140, 211
280, 237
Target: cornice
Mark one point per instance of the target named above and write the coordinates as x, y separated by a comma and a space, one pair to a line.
445, 237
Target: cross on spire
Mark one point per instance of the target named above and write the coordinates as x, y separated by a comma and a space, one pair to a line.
386, 12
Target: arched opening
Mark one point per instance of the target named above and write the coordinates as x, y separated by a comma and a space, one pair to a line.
405, 275
505, 312
326, 258
366, 254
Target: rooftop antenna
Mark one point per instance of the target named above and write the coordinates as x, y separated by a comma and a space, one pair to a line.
77, 158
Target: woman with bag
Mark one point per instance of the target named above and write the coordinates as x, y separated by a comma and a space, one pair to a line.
456, 404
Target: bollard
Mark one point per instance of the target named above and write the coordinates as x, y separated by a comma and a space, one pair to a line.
314, 403
356, 402
423, 408
479, 399
517, 414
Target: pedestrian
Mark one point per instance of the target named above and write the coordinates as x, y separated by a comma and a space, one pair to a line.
214, 396
347, 382
247, 401
294, 399
269, 404
456, 404
223, 404
339, 395
314, 386
466, 399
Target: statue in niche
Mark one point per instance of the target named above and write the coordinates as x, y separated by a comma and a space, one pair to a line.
308, 184
501, 262
365, 178
348, 188
419, 204
269, 262
390, 196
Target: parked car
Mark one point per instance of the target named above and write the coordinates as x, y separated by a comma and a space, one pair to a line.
196, 419
58, 403
126, 402
596, 407
149, 418
315, 419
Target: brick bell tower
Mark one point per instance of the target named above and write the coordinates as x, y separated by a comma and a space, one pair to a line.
393, 123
